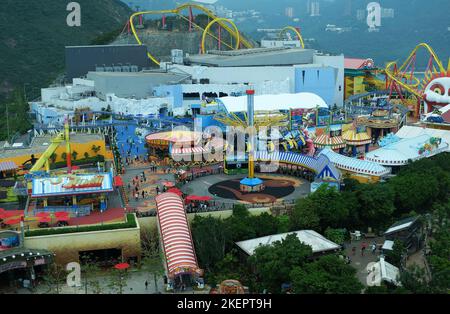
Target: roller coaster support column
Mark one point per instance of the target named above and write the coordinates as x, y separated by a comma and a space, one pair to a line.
191, 19
220, 38
68, 151
140, 20
163, 21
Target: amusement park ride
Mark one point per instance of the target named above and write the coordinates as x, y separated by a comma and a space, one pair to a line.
44, 160
433, 89
223, 24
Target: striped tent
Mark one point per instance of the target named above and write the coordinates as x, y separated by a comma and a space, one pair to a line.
325, 140
356, 139
176, 235
8, 166
188, 150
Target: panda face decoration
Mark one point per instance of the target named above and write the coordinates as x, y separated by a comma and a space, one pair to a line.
437, 92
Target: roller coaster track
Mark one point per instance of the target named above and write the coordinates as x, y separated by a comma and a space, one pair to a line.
217, 20
177, 11
399, 74
296, 31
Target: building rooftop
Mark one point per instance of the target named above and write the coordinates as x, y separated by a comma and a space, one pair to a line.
316, 241
414, 148
72, 185
40, 143
274, 102
402, 224
254, 57
414, 131
354, 164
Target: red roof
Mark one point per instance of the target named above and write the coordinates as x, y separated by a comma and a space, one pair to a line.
175, 191
356, 64
446, 116
175, 234
198, 198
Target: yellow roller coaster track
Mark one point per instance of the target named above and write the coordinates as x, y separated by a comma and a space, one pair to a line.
217, 20
296, 31
398, 75
177, 11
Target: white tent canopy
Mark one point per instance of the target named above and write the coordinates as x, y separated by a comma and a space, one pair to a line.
274, 102
316, 241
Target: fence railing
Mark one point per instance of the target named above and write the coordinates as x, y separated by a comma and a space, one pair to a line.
78, 211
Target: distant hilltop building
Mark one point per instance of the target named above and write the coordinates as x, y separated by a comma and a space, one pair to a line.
289, 12
313, 8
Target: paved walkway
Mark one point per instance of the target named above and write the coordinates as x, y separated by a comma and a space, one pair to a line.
201, 185
153, 180
360, 262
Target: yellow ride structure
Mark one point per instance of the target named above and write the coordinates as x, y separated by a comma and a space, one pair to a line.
403, 79
224, 23
217, 20
296, 31
44, 160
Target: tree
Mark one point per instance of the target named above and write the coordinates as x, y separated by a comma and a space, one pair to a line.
152, 256
375, 204
326, 207
74, 155
414, 281
64, 156
86, 155
304, 216
274, 263
335, 235
328, 274
210, 238
118, 280
54, 276
396, 256
415, 189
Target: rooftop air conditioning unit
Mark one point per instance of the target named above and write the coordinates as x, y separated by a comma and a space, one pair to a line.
134, 68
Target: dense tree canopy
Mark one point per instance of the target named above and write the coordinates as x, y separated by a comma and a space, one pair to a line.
328, 274
273, 263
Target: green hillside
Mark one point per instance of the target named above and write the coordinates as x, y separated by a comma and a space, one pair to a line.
32, 40
34, 34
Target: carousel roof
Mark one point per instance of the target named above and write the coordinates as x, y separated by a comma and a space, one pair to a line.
354, 138
175, 136
325, 140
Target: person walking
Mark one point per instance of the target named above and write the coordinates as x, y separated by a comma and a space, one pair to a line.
353, 250
146, 285
363, 248
374, 248
143, 194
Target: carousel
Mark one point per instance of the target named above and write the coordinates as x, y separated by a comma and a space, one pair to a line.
357, 141
184, 148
